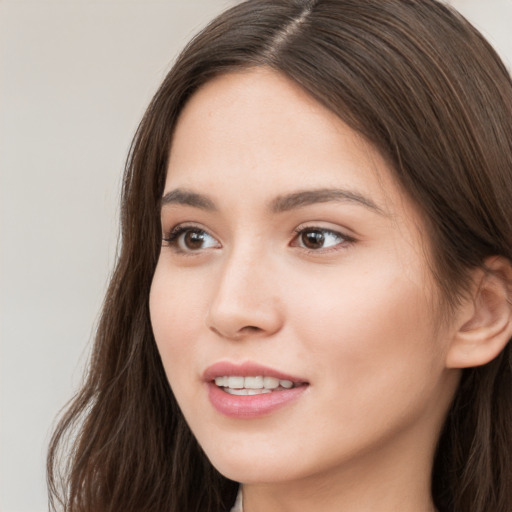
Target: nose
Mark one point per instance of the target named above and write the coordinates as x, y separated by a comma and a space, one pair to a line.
246, 300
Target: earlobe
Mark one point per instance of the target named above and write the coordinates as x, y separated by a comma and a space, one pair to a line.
486, 317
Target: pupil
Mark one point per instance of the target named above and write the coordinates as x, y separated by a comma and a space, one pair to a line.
194, 240
313, 239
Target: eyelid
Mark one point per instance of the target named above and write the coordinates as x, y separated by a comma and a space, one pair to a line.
172, 238
346, 239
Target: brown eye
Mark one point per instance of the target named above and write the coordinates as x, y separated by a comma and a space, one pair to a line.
317, 239
193, 240
190, 239
312, 239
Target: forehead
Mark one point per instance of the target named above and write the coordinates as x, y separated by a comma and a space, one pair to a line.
255, 127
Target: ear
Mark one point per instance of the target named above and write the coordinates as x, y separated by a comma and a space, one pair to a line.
485, 318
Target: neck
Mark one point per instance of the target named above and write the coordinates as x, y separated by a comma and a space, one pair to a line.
384, 481
319, 496
299, 500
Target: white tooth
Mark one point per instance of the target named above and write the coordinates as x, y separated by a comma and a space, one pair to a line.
258, 391
270, 382
235, 382
237, 391
219, 381
253, 382
287, 384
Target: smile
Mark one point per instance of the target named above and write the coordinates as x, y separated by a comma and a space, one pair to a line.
252, 385
250, 390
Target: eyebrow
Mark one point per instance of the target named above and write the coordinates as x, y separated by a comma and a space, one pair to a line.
188, 198
280, 204
308, 197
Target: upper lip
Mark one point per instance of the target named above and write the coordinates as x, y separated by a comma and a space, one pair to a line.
246, 369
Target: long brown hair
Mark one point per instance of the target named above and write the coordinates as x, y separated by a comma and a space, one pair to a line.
422, 85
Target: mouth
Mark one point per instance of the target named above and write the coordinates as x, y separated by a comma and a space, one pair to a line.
253, 385
250, 390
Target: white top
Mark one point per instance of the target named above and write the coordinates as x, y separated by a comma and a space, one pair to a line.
237, 507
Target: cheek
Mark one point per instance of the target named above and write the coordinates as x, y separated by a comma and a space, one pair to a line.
177, 299
371, 331
177, 311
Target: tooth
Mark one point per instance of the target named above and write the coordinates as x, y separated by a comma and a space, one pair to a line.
258, 391
270, 382
235, 382
253, 382
237, 391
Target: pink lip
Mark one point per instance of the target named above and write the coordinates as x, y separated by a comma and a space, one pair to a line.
225, 368
249, 406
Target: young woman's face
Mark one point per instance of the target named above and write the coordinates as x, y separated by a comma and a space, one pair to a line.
291, 259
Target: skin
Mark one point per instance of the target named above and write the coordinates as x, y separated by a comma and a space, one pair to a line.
355, 316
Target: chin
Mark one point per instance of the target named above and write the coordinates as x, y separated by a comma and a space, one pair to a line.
254, 467
245, 472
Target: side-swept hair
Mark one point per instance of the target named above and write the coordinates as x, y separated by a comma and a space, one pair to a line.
424, 87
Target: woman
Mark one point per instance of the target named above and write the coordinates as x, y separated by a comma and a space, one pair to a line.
313, 294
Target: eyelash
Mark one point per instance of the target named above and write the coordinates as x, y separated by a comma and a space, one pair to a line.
173, 239
302, 230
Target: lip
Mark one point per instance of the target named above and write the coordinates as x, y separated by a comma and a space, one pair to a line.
246, 369
250, 406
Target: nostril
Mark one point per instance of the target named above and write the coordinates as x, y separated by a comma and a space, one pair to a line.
248, 330
233, 319
240, 334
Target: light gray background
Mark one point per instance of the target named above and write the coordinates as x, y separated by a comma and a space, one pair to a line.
75, 77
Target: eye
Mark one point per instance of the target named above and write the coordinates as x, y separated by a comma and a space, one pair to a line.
315, 239
190, 239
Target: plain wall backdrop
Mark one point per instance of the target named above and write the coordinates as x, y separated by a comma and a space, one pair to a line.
75, 78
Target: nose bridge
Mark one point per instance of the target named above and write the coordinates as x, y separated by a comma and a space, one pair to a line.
245, 298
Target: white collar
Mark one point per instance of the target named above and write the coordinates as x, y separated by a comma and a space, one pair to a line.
238, 506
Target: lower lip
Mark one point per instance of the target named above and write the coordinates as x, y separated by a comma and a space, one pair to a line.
251, 406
